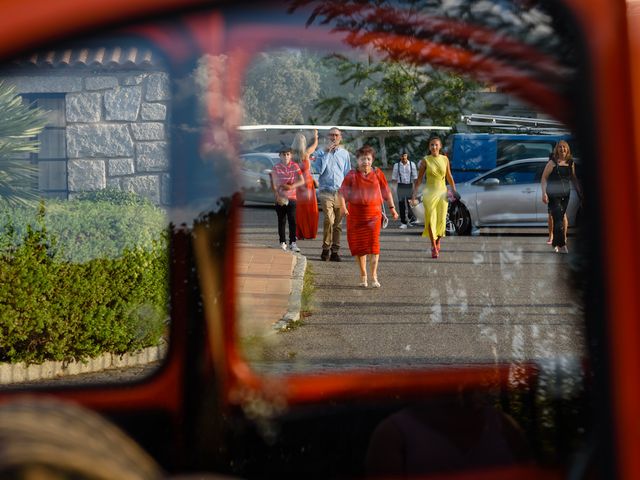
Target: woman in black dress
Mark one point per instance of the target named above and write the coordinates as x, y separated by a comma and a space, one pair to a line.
557, 177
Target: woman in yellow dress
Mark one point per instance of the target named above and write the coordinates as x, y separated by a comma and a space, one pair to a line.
437, 169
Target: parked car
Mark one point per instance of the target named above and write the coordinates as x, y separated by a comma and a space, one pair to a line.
507, 196
256, 176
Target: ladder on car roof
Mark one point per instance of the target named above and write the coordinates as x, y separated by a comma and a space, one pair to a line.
346, 128
519, 124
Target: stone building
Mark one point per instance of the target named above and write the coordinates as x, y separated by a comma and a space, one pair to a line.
107, 120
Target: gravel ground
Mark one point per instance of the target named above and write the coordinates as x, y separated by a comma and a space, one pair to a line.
114, 375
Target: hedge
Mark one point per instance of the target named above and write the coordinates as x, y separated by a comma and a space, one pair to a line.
80, 278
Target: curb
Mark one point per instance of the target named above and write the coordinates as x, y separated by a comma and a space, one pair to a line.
295, 297
23, 372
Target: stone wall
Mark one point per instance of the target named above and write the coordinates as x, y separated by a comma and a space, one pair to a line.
116, 128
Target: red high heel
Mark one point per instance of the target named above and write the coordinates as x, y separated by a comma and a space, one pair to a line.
434, 252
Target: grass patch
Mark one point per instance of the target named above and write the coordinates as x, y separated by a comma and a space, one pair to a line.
308, 289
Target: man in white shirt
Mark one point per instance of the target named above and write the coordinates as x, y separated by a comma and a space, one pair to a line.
402, 177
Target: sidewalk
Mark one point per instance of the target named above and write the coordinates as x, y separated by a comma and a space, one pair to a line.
269, 287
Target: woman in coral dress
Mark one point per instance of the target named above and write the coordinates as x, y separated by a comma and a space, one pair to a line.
361, 196
437, 169
307, 209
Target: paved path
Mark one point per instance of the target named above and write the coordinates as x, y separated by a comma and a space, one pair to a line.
264, 286
499, 296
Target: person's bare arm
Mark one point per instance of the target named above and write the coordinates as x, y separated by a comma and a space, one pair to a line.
343, 204
298, 183
418, 181
274, 185
450, 177
314, 145
392, 207
387, 194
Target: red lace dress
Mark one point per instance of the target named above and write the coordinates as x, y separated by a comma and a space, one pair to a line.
307, 205
363, 194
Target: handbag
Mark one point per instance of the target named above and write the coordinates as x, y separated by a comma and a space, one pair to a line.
385, 219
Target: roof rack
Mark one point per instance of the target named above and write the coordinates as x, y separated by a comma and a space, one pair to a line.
347, 128
519, 124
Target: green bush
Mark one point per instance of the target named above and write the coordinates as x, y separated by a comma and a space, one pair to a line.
114, 196
81, 278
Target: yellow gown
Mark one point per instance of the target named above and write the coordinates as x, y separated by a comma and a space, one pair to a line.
435, 196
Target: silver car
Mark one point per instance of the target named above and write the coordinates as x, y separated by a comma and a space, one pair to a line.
255, 176
509, 195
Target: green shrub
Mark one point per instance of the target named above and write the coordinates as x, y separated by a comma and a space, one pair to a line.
82, 278
114, 196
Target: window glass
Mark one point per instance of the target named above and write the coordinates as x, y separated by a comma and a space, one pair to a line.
518, 174
494, 292
509, 150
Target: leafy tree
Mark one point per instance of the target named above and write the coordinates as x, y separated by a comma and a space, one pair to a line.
394, 93
410, 32
19, 126
281, 87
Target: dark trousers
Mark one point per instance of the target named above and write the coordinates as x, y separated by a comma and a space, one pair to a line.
287, 212
405, 192
557, 209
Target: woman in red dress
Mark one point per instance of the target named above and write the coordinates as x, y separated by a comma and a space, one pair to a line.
307, 209
361, 196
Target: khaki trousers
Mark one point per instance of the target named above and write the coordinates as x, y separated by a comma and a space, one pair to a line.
332, 227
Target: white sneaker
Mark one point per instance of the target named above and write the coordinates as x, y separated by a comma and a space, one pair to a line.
293, 247
283, 246
402, 226
413, 223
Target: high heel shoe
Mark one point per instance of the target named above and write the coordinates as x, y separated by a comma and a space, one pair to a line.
434, 252
363, 281
375, 283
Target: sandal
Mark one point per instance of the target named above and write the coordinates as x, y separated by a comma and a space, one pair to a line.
363, 281
375, 283
434, 252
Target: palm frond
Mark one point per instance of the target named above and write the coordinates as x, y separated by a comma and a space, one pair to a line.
20, 125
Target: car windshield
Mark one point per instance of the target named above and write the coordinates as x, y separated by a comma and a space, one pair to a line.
257, 163
518, 174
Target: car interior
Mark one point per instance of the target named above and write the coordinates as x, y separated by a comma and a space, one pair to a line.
147, 110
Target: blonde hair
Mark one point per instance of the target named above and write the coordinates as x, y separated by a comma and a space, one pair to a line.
555, 151
299, 147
